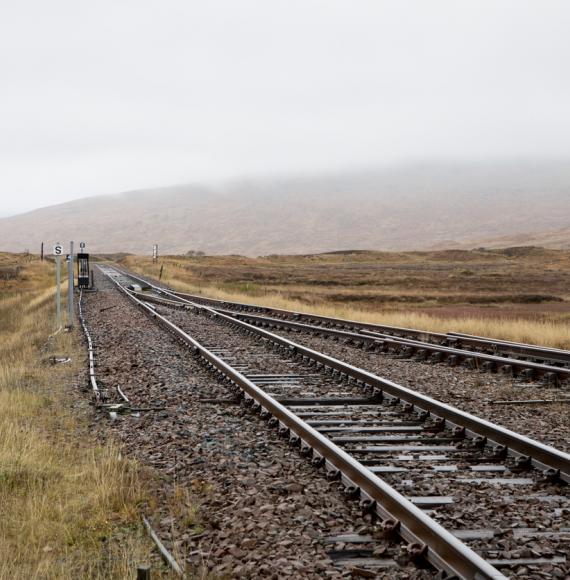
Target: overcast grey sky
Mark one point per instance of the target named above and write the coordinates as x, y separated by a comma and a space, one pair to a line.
105, 96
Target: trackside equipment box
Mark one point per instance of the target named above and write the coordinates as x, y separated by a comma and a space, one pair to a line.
83, 270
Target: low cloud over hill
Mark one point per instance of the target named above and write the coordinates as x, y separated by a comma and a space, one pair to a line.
411, 207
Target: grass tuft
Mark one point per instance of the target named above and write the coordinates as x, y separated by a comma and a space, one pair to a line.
70, 508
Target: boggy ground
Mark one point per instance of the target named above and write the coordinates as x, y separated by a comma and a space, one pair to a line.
235, 500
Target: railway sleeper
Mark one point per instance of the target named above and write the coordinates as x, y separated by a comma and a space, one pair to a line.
452, 360
478, 442
436, 357
470, 363
390, 527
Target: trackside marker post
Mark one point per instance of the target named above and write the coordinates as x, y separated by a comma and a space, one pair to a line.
57, 251
70, 287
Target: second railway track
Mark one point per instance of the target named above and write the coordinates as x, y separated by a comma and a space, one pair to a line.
415, 462
526, 359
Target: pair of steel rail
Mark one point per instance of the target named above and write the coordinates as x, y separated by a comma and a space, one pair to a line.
419, 350
538, 455
424, 535
452, 348
557, 361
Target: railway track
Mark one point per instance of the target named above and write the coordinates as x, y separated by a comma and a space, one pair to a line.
530, 361
411, 460
524, 361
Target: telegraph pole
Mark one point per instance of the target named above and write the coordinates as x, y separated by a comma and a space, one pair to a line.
70, 287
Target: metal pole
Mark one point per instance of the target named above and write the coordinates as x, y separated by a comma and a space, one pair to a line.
58, 292
143, 573
70, 287
42, 252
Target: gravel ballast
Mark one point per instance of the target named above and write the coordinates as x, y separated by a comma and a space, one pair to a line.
234, 498
482, 504
469, 390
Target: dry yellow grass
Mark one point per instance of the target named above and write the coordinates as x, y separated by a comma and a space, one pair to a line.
554, 333
70, 509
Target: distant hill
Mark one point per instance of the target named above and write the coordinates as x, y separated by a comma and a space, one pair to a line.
553, 239
409, 207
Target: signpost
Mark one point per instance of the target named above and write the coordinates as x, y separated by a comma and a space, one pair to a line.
57, 252
70, 287
155, 253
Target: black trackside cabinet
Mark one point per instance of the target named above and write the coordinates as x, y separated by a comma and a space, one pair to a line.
83, 270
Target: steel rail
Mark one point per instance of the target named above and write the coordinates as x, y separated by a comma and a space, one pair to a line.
518, 348
444, 550
424, 339
342, 322
453, 339
498, 362
554, 462
372, 337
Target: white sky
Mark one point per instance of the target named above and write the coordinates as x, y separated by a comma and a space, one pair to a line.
105, 96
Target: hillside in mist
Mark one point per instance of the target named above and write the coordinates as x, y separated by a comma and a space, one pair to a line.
412, 207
